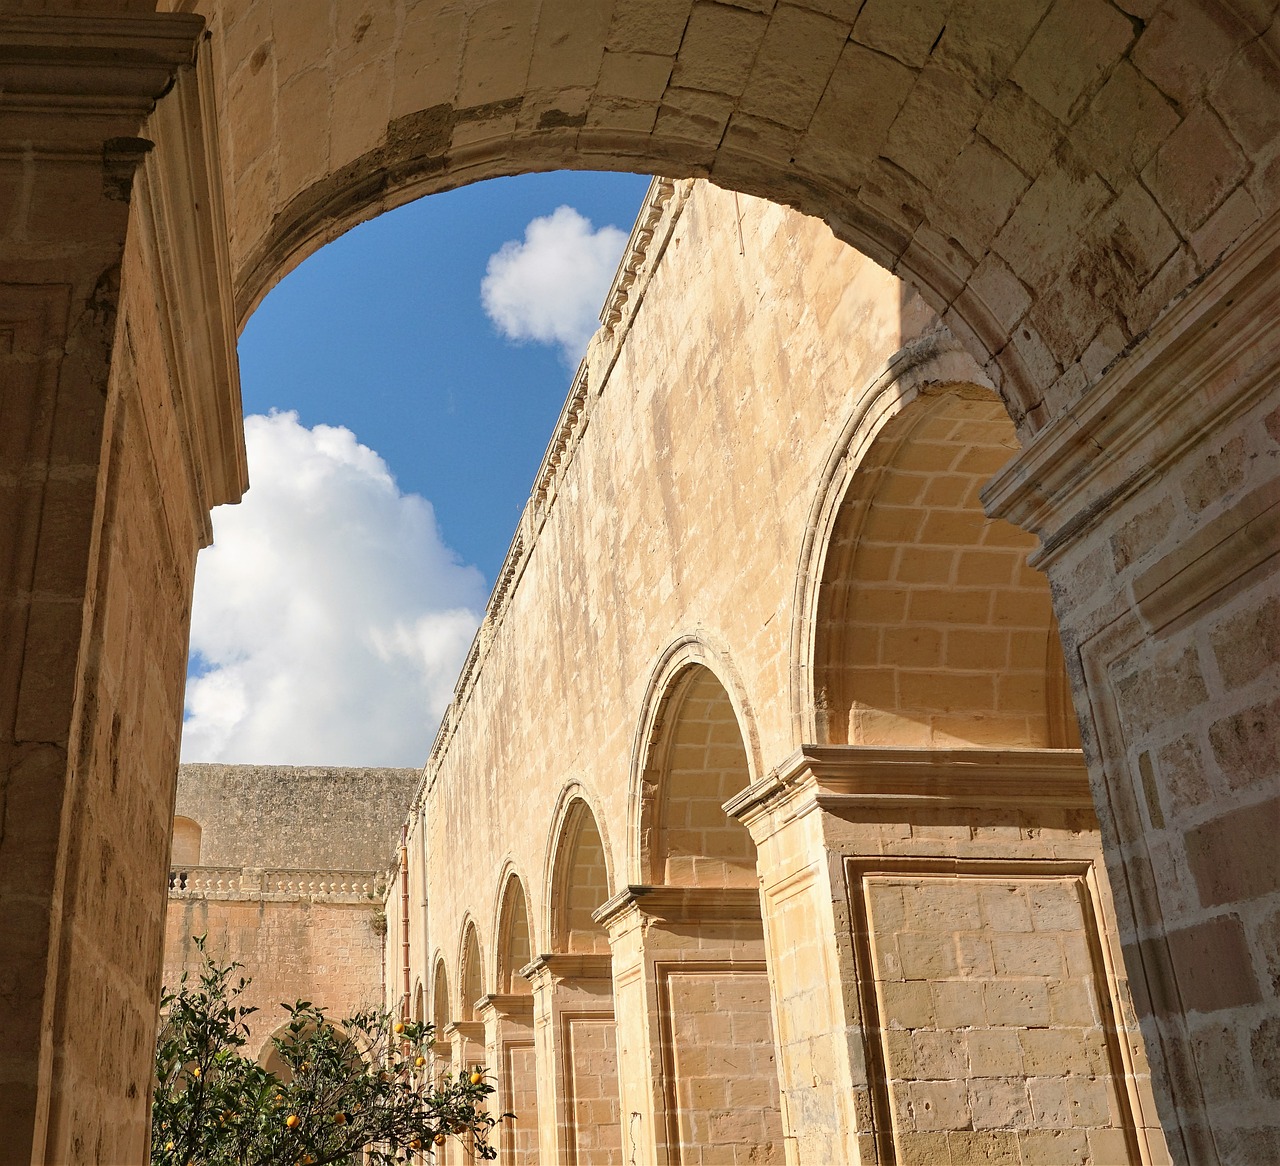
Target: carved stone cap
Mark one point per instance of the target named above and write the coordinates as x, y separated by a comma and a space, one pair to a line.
682, 904
92, 57
472, 1030
567, 966
845, 777
506, 1005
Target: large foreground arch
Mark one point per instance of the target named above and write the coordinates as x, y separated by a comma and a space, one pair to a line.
1085, 192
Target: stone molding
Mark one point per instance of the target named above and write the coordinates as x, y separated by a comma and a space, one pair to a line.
178, 193
103, 69
681, 904
468, 1030
847, 778
555, 967
278, 885
1140, 418
506, 1006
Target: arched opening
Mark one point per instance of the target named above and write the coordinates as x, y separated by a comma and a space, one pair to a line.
186, 843
699, 764
701, 954
515, 948
440, 1004
579, 885
470, 974
932, 630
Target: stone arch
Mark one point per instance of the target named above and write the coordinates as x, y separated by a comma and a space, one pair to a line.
1017, 165
695, 759
419, 1001
441, 1006
470, 971
930, 627
270, 1059
934, 362
578, 879
514, 931
186, 842
651, 739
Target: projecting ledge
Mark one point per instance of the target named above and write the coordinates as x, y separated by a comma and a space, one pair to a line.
845, 777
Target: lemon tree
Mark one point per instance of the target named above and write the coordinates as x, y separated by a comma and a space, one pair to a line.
349, 1091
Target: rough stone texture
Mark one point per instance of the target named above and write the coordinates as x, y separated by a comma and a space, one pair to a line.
317, 817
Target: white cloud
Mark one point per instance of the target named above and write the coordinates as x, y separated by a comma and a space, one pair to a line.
331, 615
550, 287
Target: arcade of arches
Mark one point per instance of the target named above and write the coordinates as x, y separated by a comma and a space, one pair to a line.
766, 499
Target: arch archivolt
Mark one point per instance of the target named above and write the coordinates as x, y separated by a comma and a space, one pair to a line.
676, 668
936, 363
471, 977
575, 814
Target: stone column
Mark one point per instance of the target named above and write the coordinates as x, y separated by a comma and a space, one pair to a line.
120, 430
578, 1109
511, 1060
945, 980
1157, 503
696, 1063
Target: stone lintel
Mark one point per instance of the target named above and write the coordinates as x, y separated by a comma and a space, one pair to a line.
681, 904
1206, 361
568, 966
506, 1006
861, 777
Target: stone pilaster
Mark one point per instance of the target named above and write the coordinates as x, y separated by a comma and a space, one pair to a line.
695, 1043
578, 1108
511, 1061
1157, 503
929, 914
121, 430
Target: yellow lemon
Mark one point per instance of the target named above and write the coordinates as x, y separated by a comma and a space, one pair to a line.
292, 1121
476, 1078
399, 1028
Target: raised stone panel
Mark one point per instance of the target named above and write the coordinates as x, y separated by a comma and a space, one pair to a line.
519, 1135
721, 1077
591, 1072
992, 1033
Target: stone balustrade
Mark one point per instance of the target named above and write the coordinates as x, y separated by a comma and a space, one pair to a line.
217, 882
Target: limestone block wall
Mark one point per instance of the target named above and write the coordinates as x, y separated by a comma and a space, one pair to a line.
294, 870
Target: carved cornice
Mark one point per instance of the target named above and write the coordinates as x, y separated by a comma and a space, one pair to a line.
682, 904
468, 1030
106, 72
506, 1006
1207, 360
556, 967
847, 778
625, 279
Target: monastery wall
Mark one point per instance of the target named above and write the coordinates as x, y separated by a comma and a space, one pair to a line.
755, 575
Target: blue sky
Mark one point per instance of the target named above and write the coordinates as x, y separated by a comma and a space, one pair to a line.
400, 387
383, 331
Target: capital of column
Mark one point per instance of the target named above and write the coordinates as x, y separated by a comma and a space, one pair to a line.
849, 778
468, 1030
555, 967
678, 905
505, 1006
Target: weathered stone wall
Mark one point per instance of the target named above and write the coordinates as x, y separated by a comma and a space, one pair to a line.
309, 817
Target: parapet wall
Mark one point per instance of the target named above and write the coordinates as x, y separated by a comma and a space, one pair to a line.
287, 817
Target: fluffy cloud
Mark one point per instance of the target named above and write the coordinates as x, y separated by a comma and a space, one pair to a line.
550, 287
330, 617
